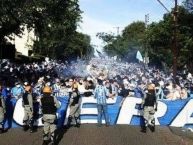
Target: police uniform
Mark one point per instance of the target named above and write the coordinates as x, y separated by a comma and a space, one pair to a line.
49, 106
2, 112
74, 104
28, 108
149, 106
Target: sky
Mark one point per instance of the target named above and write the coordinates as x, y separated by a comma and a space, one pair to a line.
107, 15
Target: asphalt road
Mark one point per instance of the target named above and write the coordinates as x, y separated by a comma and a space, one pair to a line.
92, 135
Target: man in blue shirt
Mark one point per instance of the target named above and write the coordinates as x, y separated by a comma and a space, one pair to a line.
17, 91
100, 94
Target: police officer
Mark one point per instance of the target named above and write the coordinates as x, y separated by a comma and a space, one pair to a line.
49, 106
27, 101
149, 105
74, 104
2, 111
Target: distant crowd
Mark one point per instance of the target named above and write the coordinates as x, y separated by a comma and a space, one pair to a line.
123, 79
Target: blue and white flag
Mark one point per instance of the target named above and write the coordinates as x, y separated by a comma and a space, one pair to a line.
139, 56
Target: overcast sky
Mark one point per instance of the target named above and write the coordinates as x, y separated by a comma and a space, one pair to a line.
106, 15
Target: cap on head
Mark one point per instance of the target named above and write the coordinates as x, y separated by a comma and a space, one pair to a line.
17, 83
151, 87
25, 83
70, 80
47, 89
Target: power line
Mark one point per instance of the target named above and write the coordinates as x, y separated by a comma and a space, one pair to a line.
164, 6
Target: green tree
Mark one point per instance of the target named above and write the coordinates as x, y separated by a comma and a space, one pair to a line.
54, 22
12, 18
160, 38
80, 46
55, 25
188, 5
131, 39
157, 39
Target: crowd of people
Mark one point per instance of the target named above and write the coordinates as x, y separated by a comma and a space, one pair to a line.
99, 78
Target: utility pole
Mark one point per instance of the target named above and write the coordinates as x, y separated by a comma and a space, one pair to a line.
175, 41
118, 28
146, 20
117, 40
175, 38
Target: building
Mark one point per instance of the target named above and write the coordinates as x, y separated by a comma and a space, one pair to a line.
24, 42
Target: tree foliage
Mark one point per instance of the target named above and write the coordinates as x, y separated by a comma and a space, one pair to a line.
132, 38
188, 5
12, 18
54, 21
158, 39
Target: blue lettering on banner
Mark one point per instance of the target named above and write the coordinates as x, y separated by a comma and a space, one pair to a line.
170, 113
15, 113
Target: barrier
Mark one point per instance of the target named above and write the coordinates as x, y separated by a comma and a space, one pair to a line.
177, 113
15, 113
170, 113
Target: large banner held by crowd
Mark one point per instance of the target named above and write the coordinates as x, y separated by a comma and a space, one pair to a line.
177, 113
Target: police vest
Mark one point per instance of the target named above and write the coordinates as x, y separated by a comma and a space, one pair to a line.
25, 98
150, 100
48, 105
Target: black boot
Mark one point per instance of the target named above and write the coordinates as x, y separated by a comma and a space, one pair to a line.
25, 127
31, 126
1, 130
46, 139
152, 127
77, 121
31, 129
143, 129
45, 142
69, 121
